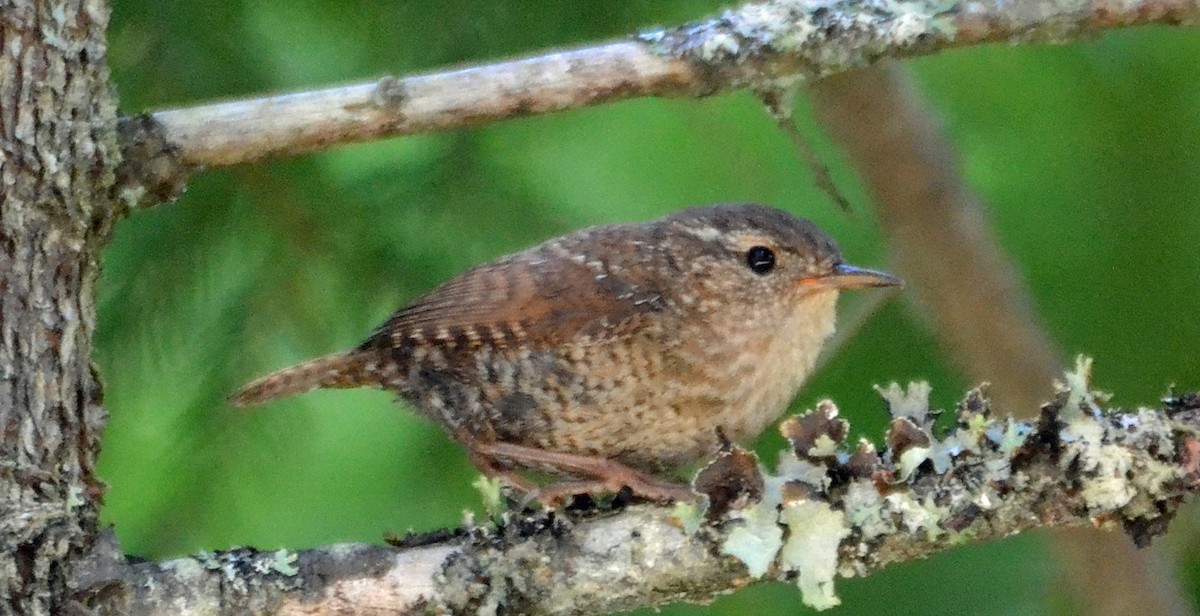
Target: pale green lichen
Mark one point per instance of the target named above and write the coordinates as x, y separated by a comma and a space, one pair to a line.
689, 515
912, 458
978, 424
225, 563
823, 447
183, 568
757, 540
804, 471
75, 497
987, 498
1076, 384
1149, 430
719, 45
1014, 436
910, 408
966, 440
490, 490
865, 510
1149, 478
1081, 398
283, 562
912, 403
815, 530
778, 44
131, 195
1104, 467
1152, 476
1107, 487
915, 515
942, 453
1103, 449
208, 560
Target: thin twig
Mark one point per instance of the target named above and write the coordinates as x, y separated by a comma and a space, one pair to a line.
779, 106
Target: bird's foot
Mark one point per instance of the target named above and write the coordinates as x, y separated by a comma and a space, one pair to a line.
600, 474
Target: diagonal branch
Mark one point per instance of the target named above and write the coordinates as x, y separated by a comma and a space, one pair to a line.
828, 512
762, 46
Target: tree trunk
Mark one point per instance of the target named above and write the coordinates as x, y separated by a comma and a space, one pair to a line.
57, 155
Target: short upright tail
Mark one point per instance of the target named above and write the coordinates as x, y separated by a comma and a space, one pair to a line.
337, 370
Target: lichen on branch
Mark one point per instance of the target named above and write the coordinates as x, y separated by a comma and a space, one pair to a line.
849, 512
778, 44
830, 509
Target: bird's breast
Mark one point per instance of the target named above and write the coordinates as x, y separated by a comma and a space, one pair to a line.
764, 368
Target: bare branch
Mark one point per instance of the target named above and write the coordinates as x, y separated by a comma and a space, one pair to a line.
827, 512
764, 46
239, 131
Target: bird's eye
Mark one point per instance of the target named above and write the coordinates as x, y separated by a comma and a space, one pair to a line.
760, 259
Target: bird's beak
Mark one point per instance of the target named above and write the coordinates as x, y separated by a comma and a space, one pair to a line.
850, 277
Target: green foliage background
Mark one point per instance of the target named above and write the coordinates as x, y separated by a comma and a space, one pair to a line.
1087, 154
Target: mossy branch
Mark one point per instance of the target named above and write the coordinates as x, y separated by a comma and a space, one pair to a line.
828, 511
764, 46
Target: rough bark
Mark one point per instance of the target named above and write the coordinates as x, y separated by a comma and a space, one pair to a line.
57, 140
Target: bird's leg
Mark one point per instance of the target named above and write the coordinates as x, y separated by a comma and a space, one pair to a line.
493, 468
529, 491
608, 475
558, 493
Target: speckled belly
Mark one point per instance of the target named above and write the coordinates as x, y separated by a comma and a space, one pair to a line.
647, 406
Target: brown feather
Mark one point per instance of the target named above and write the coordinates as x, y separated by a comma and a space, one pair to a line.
545, 296
336, 370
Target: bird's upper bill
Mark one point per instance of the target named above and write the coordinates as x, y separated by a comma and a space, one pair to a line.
846, 276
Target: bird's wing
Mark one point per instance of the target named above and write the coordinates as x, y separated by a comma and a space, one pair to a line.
533, 298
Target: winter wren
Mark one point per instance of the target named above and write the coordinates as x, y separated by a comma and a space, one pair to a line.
611, 353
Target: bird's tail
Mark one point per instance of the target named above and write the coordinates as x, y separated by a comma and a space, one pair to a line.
336, 370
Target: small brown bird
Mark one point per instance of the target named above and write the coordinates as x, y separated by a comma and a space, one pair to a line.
612, 353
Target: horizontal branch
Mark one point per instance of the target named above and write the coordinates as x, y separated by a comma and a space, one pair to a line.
762, 46
828, 511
